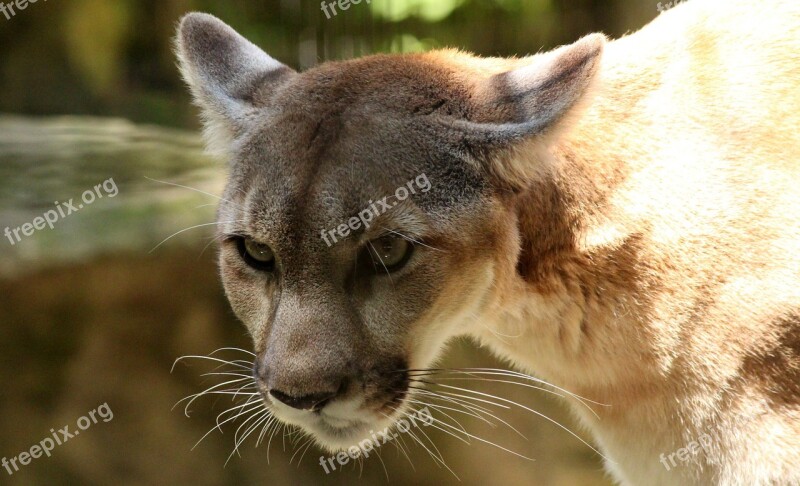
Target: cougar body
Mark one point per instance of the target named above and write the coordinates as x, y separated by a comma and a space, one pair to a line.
620, 218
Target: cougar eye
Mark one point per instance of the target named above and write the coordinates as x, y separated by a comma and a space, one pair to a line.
257, 255
389, 253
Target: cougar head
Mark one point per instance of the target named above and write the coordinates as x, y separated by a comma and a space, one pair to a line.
368, 215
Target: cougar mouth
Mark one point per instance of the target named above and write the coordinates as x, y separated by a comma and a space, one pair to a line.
334, 431
348, 419
341, 434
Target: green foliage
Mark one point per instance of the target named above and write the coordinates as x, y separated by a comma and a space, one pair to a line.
105, 57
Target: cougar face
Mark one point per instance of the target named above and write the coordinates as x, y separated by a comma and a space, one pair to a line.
337, 321
365, 217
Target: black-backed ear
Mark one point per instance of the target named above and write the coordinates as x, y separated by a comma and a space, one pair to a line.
529, 103
228, 75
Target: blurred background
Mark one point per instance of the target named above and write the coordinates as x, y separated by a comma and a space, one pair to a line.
96, 310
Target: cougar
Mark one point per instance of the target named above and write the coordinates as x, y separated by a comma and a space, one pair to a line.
618, 218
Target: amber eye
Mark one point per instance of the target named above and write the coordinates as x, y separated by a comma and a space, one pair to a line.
389, 253
257, 255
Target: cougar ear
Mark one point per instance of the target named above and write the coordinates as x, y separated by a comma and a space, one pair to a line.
229, 77
530, 103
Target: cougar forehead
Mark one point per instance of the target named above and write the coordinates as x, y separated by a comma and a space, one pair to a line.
383, 85
341, 135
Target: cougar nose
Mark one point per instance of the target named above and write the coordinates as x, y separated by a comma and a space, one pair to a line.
314, 401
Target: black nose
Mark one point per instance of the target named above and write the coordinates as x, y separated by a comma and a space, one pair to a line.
314, 401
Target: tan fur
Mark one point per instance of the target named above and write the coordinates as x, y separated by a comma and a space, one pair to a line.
672, 292
620, 218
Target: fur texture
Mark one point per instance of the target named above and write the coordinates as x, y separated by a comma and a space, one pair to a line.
627, 210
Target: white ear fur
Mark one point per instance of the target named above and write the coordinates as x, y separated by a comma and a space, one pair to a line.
531, 104
225, 73
547, 88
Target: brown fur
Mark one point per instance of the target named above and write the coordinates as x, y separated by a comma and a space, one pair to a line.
619, 218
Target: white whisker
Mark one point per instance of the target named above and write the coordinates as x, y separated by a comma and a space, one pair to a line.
191, 228
555, 422
195, 396
412, 240
219, 425
256, 417
381, 260
196, 190
206, 358
485, 441
439, 459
